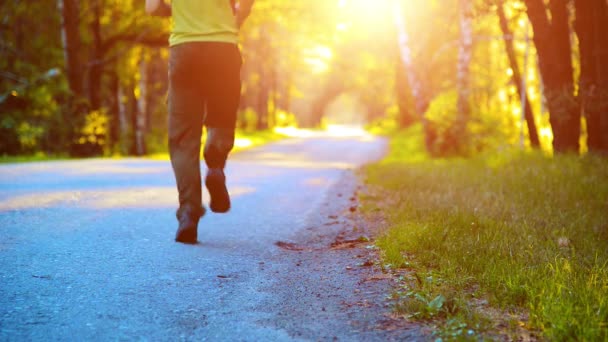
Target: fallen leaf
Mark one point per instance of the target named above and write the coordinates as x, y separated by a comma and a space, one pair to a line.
288, 246
367, 263
377, 277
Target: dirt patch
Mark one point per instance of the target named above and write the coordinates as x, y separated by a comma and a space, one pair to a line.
335, 288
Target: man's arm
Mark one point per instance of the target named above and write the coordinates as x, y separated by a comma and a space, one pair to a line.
243, 9
158, 8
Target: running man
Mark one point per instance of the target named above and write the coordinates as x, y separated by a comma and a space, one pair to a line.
204, 90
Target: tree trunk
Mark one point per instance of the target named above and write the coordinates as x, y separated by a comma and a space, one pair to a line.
465, 53
284, 99
96, 63
114, 110
517, 77
331, 91
133, 117
273, 95
406, 116
124, 100
601, 20
591, 27
70, 36
552, 40
141, 113
265, 62
263, 95
421, 101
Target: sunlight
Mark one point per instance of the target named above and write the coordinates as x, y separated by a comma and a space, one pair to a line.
293, 132
333, 130
546, 137
365, 10
342, 27
346, 131
98, 198
318, 58
502, 96
516, 111
242, 142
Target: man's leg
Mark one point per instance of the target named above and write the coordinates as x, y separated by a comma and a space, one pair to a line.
186, 112
217, 147
224, 92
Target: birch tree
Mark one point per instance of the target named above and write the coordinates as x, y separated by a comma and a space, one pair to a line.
413, 83
465, 54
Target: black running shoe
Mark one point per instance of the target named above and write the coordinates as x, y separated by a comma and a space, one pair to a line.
216, 184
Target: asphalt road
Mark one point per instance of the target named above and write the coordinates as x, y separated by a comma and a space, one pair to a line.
87, 251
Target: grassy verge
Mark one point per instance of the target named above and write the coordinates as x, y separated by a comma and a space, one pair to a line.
30, 158
243, 141
518, 234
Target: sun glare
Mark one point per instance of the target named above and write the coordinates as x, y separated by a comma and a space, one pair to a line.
318, 58
366, 10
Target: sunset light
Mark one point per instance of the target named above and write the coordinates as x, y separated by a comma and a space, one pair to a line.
315, 170
318, 58
366, 9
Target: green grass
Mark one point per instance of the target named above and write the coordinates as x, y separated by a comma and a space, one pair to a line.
244, 140
30, 158
525, 232
253, 139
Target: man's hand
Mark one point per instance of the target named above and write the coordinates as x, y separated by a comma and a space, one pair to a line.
243, 9
158, 8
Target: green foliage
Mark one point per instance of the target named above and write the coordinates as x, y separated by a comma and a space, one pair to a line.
527, 231
29, 91
243, 140
295, 54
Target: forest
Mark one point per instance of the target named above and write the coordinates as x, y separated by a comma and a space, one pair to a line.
88, 77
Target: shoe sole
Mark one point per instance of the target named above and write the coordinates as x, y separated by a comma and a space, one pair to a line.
220, 199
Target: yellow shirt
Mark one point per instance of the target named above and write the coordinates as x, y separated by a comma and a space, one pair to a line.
203, 21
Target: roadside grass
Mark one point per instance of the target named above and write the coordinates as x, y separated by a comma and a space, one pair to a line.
243, 141
30, 158
514, 233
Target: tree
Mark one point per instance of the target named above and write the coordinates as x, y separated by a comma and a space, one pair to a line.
299, 58
407, 115
552, 41
414, 83
508, 38
70, 33
33, 93
591, 27
465, 54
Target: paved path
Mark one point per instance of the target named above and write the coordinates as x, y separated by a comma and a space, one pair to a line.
87, 251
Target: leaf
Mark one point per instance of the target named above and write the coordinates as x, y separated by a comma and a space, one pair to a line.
421, 298
437, 303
